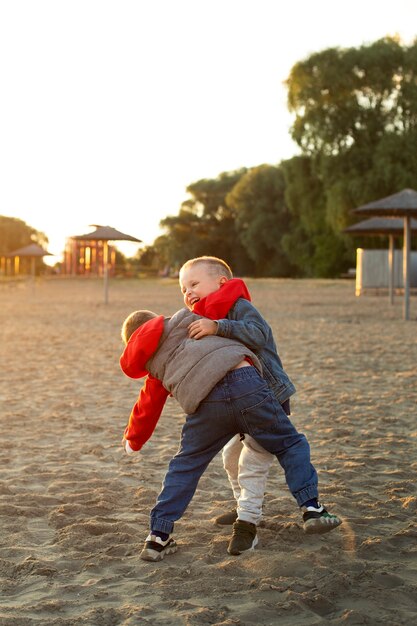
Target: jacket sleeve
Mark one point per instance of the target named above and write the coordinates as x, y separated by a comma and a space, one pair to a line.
146, 412
250, 329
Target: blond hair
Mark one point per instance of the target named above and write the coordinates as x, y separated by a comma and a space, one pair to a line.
215, 266
134, 321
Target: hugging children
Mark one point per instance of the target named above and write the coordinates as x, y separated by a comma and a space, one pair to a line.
218, 358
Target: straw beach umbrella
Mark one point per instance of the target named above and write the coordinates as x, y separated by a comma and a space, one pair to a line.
106, 234
32, 251
390, 227
402, 204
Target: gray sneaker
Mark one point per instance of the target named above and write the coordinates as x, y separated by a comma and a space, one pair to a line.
155, 548
244, 537
318, 521
227, 519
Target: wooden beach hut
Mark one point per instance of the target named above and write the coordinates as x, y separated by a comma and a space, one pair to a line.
404, 205
104, 234
32, 252
378, 227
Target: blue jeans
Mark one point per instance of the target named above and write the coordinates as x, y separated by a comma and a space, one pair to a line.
240, 403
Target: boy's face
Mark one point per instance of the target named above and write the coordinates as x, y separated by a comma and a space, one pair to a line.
197, 282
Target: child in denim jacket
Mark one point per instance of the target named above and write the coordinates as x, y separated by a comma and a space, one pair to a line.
240, 401
218, 383
246, 462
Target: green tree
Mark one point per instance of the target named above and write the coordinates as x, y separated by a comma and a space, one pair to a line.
356, 115
304, 198
313, 246
188, 235
262, 219
341, 97
205, 225
15, 233
356, 120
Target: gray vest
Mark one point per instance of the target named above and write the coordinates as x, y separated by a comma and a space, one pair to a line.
190, 368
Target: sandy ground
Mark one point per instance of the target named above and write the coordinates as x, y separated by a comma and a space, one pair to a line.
74, 508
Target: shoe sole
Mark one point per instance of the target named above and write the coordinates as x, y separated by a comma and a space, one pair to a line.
148, 554
236, 553
321, 525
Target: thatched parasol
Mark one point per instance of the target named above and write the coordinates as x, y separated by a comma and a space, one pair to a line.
33, 251
106, 234
390, 227
380, 226
402, 204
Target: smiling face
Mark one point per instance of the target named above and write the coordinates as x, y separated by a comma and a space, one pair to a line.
197, 281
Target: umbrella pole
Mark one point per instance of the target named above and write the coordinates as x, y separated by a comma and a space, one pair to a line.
391, 253
106, 271
33, 274
406, 266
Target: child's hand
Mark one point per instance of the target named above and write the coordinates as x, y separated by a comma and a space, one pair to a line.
202, 328
126, 445
128, 449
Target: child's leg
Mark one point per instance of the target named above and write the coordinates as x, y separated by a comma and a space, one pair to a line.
265, 420
203, 435
269, 425
199, 445
260, 415
254, 464
231, 455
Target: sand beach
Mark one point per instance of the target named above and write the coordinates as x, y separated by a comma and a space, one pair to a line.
74, 508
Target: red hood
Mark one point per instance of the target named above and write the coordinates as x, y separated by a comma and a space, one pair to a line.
218, 304
140, 347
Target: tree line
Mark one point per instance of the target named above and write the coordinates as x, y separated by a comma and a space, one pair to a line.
355, 123
15, 234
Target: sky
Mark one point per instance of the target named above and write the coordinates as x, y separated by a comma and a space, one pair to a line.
109, 109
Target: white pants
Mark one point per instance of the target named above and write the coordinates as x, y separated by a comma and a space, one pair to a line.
247, 465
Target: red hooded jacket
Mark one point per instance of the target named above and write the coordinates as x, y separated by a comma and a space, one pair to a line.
142, 345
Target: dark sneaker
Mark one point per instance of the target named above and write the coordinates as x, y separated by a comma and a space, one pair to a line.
244, 537
227, 519
155, 549
318, 521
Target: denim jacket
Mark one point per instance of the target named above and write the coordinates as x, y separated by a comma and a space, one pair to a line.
246, 324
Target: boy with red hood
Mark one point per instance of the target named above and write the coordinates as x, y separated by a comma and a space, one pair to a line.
218, 383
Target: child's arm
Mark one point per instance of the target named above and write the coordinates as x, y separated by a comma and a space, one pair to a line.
146, 413
250, 329
233, 314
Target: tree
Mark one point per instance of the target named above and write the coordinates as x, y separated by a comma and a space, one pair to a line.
356, 121
342, 97
262, 218
205, 225
188, 235
354, 108
15, 233
209, 194
312, 245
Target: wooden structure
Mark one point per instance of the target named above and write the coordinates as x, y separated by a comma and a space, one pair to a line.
380, 270
402, 204
85, 258
392, 228
102, 235
32, 252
